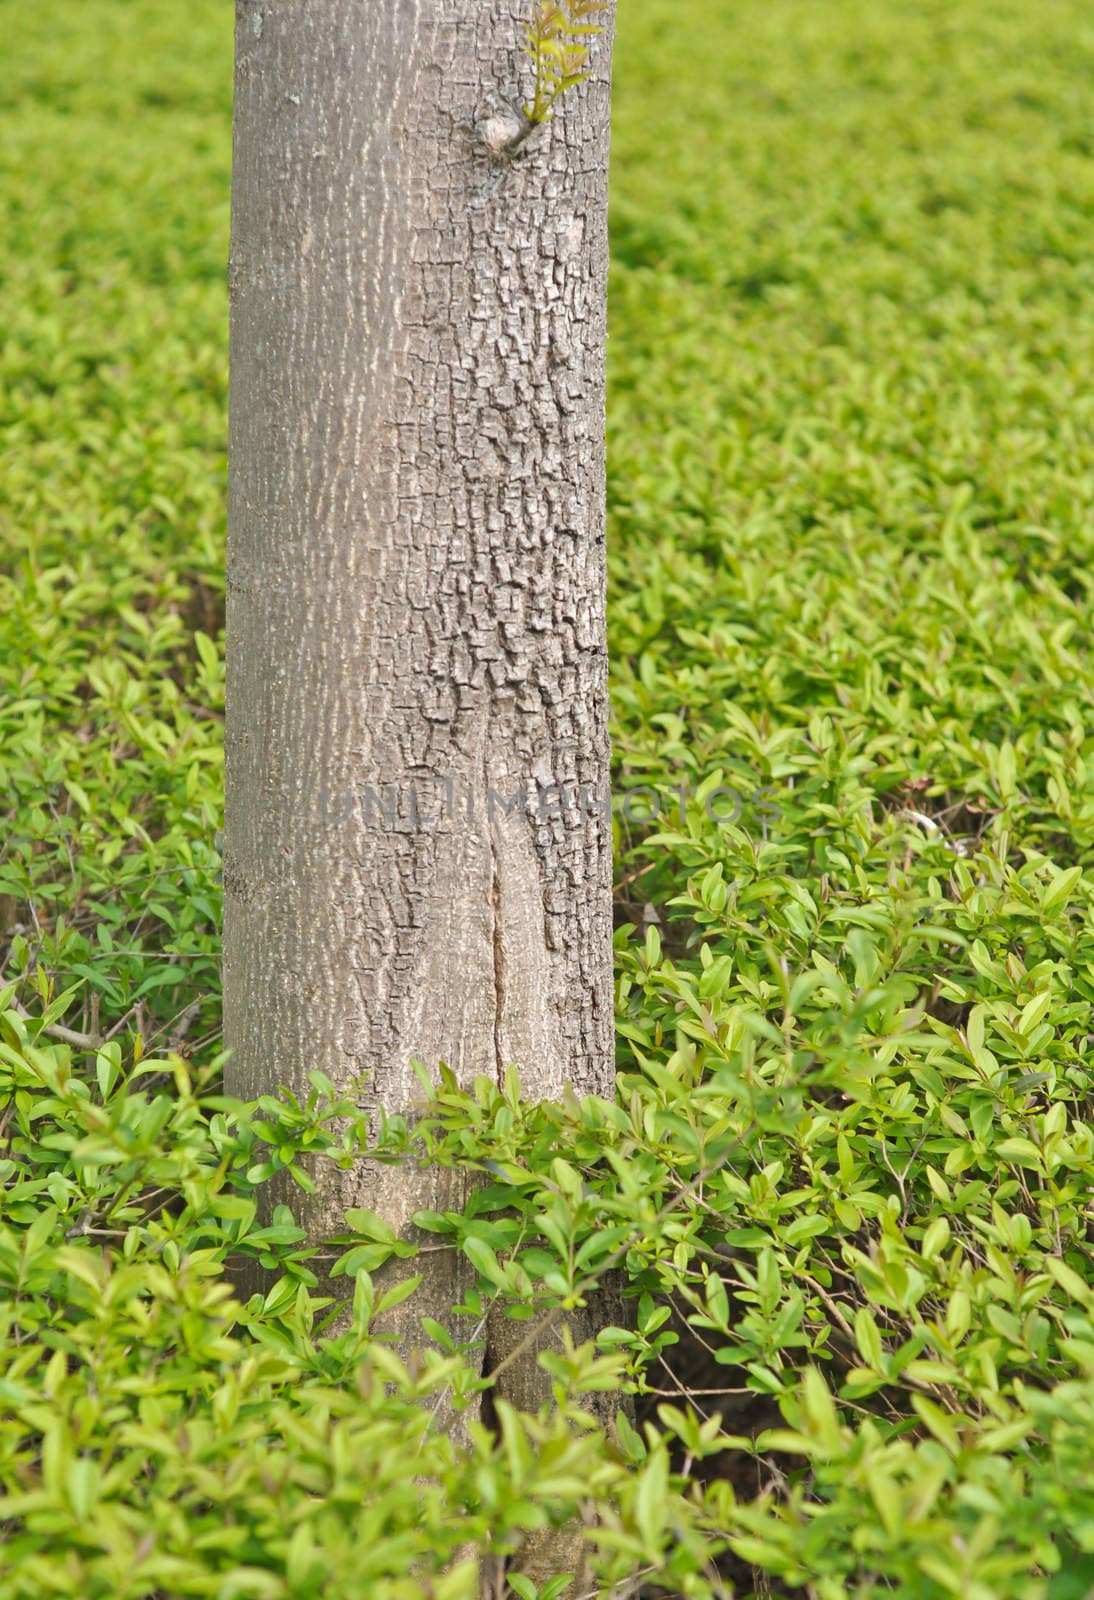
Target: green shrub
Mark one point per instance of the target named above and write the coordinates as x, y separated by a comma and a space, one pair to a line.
846, 1183
159, 1438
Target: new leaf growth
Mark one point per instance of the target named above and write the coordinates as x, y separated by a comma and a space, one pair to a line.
555, 43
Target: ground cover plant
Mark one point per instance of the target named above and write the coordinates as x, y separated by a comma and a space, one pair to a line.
845, 1188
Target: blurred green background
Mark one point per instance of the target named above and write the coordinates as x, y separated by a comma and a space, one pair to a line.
850, 496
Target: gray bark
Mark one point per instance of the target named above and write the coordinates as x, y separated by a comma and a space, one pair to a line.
415, 569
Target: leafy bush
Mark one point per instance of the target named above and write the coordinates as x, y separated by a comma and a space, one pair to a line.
846, 1182
157, 1438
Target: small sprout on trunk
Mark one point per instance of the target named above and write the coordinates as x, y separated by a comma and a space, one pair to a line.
555, 41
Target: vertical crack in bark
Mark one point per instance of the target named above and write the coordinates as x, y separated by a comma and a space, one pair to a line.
498, 960
499, 968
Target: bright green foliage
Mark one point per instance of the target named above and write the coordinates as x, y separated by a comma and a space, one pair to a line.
853, 1147
114, 171
156, 1438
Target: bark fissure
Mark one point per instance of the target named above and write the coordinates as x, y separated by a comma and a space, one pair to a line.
496, 935
499, 975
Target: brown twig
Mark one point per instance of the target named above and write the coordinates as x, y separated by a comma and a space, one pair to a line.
57, 1030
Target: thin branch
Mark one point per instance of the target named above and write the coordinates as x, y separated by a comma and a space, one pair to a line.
57, 1030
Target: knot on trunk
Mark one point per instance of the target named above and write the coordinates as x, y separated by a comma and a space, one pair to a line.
501, 128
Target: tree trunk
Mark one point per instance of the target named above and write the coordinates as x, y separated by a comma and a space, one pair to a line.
417, 840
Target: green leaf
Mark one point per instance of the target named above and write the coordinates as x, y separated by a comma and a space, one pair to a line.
1060, 890
650, 1497
940, 1423
370, 1225
867, 1338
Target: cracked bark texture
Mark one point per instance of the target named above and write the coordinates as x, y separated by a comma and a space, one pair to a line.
417, 843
